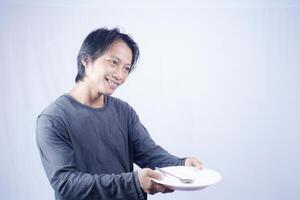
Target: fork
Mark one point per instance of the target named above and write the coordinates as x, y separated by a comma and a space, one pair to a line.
183, 180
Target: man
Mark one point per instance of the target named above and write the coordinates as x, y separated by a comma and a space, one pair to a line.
89, 140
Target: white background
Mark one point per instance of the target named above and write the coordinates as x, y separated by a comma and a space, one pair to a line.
219, 81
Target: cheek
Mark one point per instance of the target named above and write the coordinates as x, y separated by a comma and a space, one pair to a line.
88, 72
125, 78
97, 77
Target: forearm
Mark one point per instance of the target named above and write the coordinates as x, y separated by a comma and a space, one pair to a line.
147, 153
157, 157
78, 185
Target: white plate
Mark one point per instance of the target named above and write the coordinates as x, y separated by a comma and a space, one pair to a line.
202, 178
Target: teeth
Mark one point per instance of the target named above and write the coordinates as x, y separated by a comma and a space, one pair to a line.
112, 83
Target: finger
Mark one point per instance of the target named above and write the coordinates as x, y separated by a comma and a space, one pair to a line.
160, 188
197, 164
153, 189
168, 190
194, 162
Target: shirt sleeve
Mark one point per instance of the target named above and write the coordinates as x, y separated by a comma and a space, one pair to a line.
146, 152
59, 163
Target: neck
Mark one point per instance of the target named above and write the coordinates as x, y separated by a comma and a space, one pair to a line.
87, 95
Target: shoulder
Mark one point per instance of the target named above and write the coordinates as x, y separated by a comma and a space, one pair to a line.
119, 104
52, 120
55, 112
56, 108
123, 109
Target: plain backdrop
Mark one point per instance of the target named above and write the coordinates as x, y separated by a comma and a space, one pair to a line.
218, 80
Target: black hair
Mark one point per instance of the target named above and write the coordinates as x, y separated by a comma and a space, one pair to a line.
98, 42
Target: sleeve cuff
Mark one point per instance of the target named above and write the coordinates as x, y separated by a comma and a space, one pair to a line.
141, 194
183, 161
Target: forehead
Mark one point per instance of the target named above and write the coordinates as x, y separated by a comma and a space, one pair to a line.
120, 50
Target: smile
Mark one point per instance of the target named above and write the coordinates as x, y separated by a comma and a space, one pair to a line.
113, 84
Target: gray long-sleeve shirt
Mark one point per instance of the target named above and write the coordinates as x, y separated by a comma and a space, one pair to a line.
88, 153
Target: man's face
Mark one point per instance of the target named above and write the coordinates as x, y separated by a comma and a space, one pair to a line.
110, 70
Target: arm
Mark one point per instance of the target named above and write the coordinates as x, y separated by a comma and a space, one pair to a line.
146, 152
59, 163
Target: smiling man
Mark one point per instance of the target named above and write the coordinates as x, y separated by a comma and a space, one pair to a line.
89, 140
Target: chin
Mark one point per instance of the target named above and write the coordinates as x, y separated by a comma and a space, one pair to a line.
109, 92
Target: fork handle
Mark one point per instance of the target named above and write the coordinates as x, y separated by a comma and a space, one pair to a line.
165, 172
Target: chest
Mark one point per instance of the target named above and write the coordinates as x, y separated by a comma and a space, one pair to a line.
100, 143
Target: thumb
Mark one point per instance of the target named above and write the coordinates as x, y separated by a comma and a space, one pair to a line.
154, 174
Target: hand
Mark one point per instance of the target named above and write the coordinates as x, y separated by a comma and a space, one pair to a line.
194, 162
150, 186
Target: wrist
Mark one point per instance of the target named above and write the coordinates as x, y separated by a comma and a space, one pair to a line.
142, 195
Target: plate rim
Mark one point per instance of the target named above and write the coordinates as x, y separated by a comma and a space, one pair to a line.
188, 187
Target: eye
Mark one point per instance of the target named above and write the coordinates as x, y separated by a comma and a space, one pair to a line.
112, 61
127, 69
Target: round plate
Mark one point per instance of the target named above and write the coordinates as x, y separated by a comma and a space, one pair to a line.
202, 178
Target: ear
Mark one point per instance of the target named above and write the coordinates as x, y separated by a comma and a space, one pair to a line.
85, 61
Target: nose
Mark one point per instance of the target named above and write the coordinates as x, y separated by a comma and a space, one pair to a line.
117, 74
